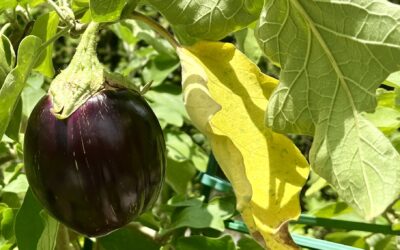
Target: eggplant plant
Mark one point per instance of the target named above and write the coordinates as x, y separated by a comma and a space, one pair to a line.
158, 124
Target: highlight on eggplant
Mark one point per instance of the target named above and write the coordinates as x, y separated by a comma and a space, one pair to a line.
101, 167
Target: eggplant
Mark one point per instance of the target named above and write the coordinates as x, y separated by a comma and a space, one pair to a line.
101, 167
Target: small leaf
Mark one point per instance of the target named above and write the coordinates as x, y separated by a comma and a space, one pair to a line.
334, 55
106, 10
47, 240
159, 68
7, 58
247, 43
198, 242
45, 28
211, 215
183, 201
7, 222
225, 94
210, 20
179, 174
15, 81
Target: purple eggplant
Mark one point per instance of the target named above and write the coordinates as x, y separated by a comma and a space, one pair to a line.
101, 167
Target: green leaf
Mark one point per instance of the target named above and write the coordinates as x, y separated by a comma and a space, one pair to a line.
7, 222
198, 242
247, 43
106, 10
179, 174
6, 4
393, 80
32, 93
132, 32
181, 148
7, 58
126, 239
334, 55
15, 81
15, 122
47, 240
246, 243
211, 20
183, 201
355, 239
386, 119
17, 186
45, 28
167, 103
29, 226
159, 68
211, 215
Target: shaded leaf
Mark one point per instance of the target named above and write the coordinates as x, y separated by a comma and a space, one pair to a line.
198, 242
126, 239
28, 226
211, 20
225, 94
340, 53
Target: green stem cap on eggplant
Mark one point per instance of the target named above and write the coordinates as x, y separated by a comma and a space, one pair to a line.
84, 77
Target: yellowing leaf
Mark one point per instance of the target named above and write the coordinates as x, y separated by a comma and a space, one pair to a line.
225, 95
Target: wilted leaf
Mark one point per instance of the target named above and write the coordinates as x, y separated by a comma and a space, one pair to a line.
212, 19
225, 95
333, 55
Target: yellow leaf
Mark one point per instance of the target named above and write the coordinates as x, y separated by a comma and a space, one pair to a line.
225, 95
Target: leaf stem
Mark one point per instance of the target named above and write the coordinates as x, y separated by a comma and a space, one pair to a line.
156, 27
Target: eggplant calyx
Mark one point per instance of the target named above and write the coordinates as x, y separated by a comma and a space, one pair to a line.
83, 77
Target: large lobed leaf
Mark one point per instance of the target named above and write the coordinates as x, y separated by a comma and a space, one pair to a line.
208, 19
225, 94
333, 55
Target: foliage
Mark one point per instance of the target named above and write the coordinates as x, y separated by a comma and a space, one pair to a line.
336, 61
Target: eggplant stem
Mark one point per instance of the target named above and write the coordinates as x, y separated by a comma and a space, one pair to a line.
156, 27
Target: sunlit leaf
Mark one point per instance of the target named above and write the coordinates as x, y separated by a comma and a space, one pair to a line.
225, 95
15, 81
333, 55
45, 28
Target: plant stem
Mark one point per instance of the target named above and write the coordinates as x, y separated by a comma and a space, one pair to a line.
156, 27
54, 38
57, 10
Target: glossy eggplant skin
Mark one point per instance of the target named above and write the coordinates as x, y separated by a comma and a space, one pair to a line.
101, 167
